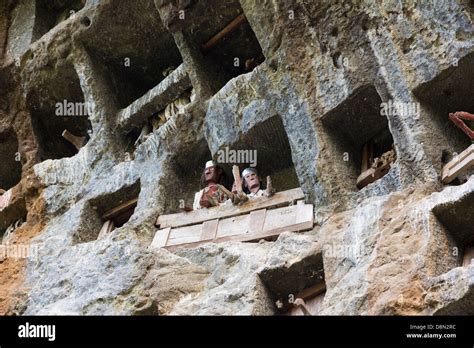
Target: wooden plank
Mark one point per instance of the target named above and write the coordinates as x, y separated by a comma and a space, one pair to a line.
312, 291
280, 218
257, 220
371, 175
250, 237
209, 230
161, 238
110, 214
186, 234
233, 226
227, 30
247, 237
460, 168
307, 225
458, 158
304, 212
201, 215
459, 165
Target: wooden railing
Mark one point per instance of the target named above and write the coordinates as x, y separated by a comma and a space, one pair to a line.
254, 220
459, 165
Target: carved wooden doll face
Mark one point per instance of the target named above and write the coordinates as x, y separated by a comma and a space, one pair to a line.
212, 174
252, 182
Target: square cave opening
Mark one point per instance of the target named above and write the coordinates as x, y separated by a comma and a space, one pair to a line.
267, 143
265, 147
187, 169
160, 117
298, 289
29, 20
448, 92
226, 38
49, 13
139, 51
360, 138
60, 117
457, 220
108, 212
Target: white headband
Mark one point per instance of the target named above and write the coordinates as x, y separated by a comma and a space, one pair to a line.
248, 171
210, 164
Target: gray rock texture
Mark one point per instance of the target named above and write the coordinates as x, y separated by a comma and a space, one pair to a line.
324, 71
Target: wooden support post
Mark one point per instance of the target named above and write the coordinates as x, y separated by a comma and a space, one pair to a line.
228, 29
78, 142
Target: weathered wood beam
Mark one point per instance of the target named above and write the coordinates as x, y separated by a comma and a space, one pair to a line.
226, 31
112, 213
154, 100
312, 291
371, 175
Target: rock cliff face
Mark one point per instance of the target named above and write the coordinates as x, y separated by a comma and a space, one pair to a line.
304, 83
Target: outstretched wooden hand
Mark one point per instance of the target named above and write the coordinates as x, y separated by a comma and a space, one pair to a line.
269, 191
458, 118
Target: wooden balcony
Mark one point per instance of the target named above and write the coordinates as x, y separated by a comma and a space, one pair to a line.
257, 219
